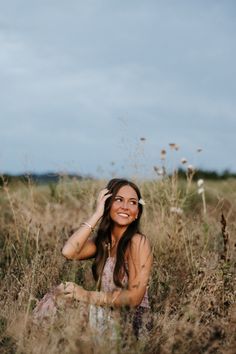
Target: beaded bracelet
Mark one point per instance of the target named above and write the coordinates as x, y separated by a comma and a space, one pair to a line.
87, 224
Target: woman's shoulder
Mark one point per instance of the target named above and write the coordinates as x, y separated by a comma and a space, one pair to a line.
139, 249
139, 242
138, 239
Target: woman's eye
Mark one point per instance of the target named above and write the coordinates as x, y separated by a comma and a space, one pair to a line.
118, 199
131, 202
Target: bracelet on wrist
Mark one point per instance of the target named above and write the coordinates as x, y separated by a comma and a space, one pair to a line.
88, 225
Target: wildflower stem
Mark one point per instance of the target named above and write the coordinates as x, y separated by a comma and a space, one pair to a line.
204, 202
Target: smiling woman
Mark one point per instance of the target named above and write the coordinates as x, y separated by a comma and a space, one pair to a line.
124, 208
122, 262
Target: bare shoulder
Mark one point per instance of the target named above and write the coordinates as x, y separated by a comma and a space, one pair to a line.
140, 255
140, 245
140, 240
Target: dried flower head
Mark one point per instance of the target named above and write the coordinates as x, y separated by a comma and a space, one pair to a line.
172, 146
201, 190
184, 160
156, 168
159, 170
176, 210
190, 168
163, 154
200, 183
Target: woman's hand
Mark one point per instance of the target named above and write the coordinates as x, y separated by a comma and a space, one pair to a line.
102, 197
72, 291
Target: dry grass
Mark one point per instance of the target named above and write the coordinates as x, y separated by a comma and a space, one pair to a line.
192, 289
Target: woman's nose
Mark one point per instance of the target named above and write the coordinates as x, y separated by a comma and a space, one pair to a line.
125, 204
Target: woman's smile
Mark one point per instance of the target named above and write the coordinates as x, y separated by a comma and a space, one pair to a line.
123, 215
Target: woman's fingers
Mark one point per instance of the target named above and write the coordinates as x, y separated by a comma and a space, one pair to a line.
60, 288
66, 287
103, 193
102, 197
107, 196
72, 290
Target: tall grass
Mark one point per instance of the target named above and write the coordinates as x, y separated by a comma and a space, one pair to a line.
192, 287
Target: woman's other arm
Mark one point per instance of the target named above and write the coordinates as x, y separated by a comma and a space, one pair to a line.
140, 262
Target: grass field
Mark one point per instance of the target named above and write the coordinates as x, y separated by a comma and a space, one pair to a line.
192, 288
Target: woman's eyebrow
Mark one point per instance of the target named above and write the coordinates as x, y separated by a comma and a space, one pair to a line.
120, 196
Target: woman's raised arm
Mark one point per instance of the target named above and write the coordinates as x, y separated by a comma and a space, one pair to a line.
79, 246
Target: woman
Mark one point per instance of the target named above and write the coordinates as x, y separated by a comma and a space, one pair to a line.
123, 257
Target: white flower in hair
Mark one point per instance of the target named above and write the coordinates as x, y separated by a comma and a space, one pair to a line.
141, 201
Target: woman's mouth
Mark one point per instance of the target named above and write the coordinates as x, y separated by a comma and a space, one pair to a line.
123, 215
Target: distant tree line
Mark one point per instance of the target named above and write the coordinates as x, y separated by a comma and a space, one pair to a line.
209, 174
47, 178
42, 178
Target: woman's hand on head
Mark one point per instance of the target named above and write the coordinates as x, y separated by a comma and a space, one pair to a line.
102, 197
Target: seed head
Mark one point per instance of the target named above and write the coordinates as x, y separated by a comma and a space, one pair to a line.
200, 190
159, 170
200, 183
163, 154
176, 210
184, 160
172, 146
190, 168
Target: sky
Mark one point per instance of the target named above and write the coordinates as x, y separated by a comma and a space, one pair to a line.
82, 83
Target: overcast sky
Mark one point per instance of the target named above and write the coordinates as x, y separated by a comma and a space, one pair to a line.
82, 81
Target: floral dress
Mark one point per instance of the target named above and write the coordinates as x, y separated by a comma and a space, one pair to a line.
101, 319
106, 318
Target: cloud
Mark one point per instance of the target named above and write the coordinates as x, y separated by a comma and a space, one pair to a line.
84, 77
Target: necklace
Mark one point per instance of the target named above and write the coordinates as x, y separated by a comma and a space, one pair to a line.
111, 246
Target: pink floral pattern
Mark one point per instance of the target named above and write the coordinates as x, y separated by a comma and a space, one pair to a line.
107, 283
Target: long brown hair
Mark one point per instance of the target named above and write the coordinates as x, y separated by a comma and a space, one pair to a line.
103, 237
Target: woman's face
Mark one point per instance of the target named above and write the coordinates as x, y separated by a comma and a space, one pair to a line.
124, 209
